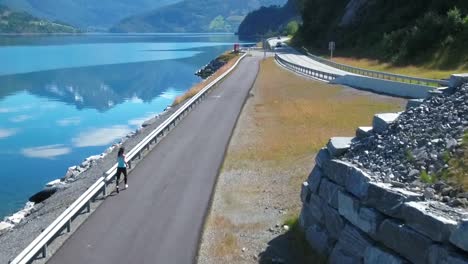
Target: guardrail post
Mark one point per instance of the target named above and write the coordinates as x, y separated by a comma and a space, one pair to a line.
129, 164
44, 251
104, 189
69, 226
88, 207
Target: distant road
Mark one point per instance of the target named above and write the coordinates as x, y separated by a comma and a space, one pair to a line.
291, 55
160, 217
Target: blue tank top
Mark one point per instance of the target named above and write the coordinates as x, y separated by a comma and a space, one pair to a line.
121, 162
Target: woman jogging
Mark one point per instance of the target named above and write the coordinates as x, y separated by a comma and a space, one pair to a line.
121, 168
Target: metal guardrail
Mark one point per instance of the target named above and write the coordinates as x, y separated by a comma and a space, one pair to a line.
64, 221
378, 74
306, 71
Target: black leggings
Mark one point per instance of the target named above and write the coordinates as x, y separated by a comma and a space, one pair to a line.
121, 170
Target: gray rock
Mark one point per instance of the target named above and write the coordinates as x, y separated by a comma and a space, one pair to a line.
319, 240
459, 236
329, 192
363, 132
305, 192
420, 217
4, 227
353, 242
314, 208
322, 157
333, 221
458, 79
357, 182
314, 179
336, 171
412, 103
366, 219
404, 240
337, 146
376, 255
349, 176
382, 121
389, 200
305, 219
338, 256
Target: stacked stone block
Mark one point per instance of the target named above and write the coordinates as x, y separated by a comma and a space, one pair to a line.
350, 218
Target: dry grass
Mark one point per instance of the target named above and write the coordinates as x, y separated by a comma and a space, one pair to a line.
458, 166
423, 71
231, 59
298, 116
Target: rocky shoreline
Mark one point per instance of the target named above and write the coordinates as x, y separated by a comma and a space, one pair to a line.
206, 71
19, 229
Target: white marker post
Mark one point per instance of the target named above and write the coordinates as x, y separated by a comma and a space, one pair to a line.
331, 47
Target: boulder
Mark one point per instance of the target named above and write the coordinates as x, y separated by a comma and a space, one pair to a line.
314, 179
349, 176
305, 192
54, 183
329, 192
366, 219
363, 132
375, 254
4, 227
353, 242
43, 195
336, 170
382, 121
337, 146
333, 221
319, 240
314, 208
322, 156
338, 256
459, 236
458, 79
412, 103
404, 240
387, 199
432, 223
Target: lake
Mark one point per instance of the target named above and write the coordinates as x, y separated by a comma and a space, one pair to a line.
65, 98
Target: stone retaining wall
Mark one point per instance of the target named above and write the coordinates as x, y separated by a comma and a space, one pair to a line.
349, 217
352, 219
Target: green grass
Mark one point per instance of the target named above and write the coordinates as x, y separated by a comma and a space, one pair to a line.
457, 172
427, 178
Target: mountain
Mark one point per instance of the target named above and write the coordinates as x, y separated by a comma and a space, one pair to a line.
86, 14
194, 16
398, 31
22, 22
270, 21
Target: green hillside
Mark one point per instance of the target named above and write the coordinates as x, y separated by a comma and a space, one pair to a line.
397, 31
22, 22
194, 16
270, 21
86, 14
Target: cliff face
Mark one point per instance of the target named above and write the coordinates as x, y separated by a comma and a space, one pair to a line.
383, 197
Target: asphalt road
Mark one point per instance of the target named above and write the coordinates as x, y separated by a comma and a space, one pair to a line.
295, 57
159, 218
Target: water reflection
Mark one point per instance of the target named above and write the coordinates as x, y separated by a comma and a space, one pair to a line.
99, 87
